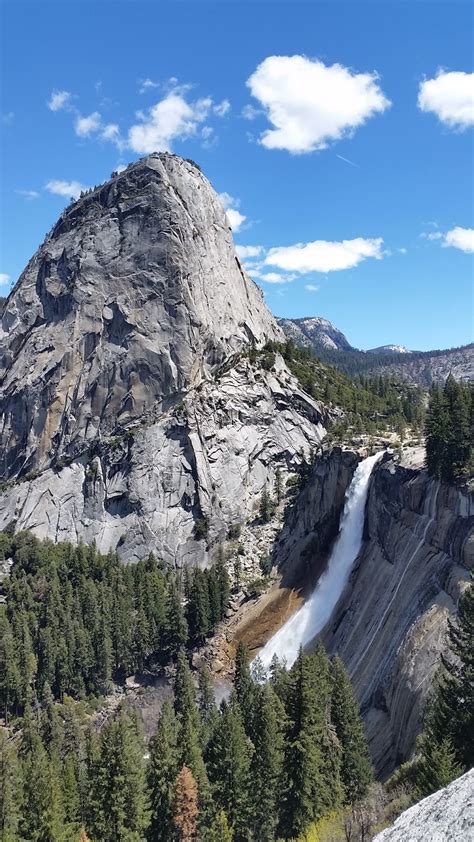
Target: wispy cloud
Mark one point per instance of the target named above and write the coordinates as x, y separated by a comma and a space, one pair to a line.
4, 279
147, 85
311, 287
28, 194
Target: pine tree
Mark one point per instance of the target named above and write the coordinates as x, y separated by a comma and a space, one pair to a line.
356, 772
162, 772
220, 830
228, 763
451, 712
278, 486
9, 789
265, 506
177, 627
267, 764
189, 745
206, 705
186, 811
303, 760
438, 767
118, 782
245, 688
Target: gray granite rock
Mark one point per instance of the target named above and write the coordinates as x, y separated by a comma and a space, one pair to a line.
135, 296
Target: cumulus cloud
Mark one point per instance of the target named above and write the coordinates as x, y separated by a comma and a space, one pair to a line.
85, 126
66, 188
311, 104
4, 278
59, 100
231, 205
450, 95
28, 194
324, 256
460, 238
248, 251
170, 119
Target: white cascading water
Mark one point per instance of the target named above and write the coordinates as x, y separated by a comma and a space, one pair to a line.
314, 614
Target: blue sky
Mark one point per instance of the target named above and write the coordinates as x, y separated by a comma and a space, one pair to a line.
269, 98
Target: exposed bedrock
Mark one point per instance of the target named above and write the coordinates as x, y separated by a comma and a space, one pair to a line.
135, 296
390, 623
208, 460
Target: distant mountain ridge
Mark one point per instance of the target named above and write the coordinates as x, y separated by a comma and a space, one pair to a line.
418, 367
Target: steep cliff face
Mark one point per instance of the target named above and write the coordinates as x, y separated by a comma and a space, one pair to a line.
390, 623
131, 413
135, 296
313, 522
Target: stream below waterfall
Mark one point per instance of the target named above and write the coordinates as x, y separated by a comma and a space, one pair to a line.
311, 618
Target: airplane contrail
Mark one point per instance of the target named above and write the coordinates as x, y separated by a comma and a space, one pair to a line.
346, 160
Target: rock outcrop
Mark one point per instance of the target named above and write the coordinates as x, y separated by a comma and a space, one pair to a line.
390, 623
133, 415
135, 296
445, 816
315, 332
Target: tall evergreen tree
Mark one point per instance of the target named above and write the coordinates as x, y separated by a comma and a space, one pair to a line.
438, 767
120, 801
10, 792
451, 712
162, 772
228, 762
356, 772
267, 764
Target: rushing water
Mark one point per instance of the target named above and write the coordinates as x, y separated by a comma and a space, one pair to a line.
314, 614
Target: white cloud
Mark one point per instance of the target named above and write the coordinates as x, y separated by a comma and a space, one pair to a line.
110, 132
85, 126
236, 219
121, 168
311, 104
4, 278
171, 118
324, 256
402, 250
66, 188
59, 100
460, 238
146, 85
311, 287
222, 108
450, 95
28, 194
432, 235
249, 112
248, 251
275, 277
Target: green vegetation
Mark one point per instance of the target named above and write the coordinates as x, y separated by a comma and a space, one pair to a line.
370, 404
450, 430
76, 619
448, 739
262, 767
357, 362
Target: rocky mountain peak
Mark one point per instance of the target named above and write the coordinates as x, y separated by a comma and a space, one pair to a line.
135, 295
315, 332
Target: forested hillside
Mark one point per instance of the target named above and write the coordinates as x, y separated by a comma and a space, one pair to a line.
274, 757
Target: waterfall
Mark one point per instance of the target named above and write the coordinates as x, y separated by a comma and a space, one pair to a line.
316, 611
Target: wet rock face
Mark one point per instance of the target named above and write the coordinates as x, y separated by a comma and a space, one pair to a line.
314, 520
390, 624
135, 296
